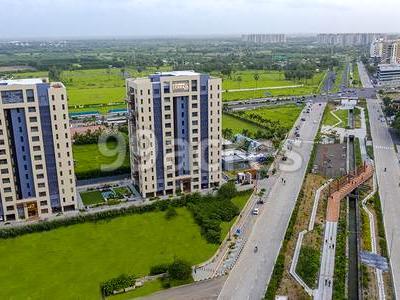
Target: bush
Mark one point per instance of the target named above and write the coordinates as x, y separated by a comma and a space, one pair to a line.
159, 269
171, 212
227, 190
115, 284
180, 270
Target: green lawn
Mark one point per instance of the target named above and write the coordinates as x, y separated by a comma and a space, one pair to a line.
88, 158
267, 79
104, 95
330, 120
237, 125
71, 262
123, 191
285, 114
240, 201
92, 197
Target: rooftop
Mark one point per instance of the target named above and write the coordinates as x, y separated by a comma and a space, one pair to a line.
178, 73
23, 81
392, 67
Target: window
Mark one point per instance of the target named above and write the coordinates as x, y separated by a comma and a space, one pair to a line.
33, 119
6, 180
36, 148
32, 109
34, 129
35, 139
62, 96
42, 194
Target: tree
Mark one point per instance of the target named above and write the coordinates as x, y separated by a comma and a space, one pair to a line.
180, 270
239, 79
227, 190
55, 74
170, 213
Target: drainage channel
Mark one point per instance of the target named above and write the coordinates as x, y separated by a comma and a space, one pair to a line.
353, 282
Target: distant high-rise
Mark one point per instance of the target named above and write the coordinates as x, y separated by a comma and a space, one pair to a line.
348, 39
264, 38
385, 51
36, 165
175, 132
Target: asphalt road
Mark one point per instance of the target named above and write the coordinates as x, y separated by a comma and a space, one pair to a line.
252, 272
388, 181
197, 291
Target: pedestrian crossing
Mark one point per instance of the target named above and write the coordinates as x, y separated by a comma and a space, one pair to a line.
383, 147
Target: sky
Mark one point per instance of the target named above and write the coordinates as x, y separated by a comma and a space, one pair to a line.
135, 18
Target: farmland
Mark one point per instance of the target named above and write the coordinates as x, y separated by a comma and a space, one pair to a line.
104, 89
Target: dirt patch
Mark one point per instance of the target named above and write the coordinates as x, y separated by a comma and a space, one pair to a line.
330, 160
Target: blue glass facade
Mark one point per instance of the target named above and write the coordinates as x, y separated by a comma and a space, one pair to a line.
158, 131
22, 155
181, 120
45, 118
204, 129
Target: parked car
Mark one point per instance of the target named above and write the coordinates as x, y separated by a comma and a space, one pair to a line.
256, 211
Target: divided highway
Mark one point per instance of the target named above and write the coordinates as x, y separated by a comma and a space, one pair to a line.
251, 274
388, 176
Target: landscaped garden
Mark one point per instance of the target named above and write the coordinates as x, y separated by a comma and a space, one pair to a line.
93, 159
111, 195
70, 262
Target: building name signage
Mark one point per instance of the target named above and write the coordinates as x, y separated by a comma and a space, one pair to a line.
180, 86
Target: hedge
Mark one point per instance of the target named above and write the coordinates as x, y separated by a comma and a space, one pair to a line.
208, 211
121, 282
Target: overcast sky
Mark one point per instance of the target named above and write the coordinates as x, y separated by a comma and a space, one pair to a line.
79, 18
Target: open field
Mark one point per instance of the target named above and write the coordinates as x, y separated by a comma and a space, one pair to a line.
76, 259
237, 125
285, 114
267, 79
93, 252
105, 86
88, 158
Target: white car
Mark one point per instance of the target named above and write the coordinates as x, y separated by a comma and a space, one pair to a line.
256, 211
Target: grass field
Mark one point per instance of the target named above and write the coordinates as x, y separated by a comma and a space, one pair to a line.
237, 125
267, 79
285, 114
89, 158
105, 86
330, 120
71, 262
92, 197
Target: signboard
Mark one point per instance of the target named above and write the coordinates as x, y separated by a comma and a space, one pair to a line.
180, 86
374, 260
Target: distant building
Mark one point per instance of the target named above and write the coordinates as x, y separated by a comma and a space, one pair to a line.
389, 75
385, 51
175, 132
36, 165
348, 39
264, 38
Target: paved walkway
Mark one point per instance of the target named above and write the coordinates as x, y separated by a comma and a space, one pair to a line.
337, 196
